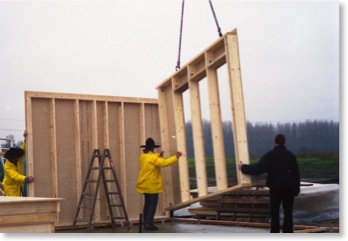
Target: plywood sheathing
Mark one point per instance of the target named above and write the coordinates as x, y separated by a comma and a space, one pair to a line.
64, 129
223, 51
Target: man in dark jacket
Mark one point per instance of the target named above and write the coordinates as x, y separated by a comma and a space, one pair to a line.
283, 180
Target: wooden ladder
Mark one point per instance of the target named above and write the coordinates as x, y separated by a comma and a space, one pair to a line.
112, 189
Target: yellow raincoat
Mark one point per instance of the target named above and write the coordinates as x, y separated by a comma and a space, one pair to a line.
150, 177
14, 179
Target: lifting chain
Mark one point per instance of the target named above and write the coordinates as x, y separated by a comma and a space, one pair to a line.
181, 27
180, 35
216, 21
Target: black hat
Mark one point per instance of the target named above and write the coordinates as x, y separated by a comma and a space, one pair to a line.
14, 153
150, 143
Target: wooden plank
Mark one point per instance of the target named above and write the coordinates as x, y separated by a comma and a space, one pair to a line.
95, 145
181, 144
103, 137
53, 156
198, 139
29, 228
27, 218
123, 154
221, 222
85, 97
237, 103
217, 130
226, 201
313, 230
242, 210
77, 182
168, 145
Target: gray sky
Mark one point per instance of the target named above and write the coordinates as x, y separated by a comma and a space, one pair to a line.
289, 52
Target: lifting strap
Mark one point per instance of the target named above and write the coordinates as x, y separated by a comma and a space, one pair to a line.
181, 27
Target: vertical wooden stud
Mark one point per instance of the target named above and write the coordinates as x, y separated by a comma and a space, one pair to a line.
237, 103
181, 144
198, 139
217, 130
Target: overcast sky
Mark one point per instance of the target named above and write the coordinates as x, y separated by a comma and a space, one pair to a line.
289, 52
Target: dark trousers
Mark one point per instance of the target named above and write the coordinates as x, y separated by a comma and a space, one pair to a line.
286, 199
150, 207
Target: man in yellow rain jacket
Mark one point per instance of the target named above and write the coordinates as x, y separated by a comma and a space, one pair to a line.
15, 178
150, 181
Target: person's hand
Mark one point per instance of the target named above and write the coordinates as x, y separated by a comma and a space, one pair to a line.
240, 164
178, 154
25, 133
29, 179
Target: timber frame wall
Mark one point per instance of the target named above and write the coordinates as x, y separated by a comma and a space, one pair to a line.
171, 107
64, 130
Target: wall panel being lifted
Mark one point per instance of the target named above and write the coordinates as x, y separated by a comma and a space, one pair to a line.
222, 53
64, 130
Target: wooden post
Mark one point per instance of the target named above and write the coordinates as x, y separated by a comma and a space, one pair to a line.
217, 130
237, 101
198, 139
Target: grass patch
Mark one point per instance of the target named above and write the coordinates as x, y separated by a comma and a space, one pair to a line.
313, 168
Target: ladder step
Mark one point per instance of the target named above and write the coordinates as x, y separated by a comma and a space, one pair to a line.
91, 181
112, 193
110, 180
94, 168
119, 218
81, 220
88, 194
116, 205
85, 207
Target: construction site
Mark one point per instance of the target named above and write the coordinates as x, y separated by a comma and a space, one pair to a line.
83, 151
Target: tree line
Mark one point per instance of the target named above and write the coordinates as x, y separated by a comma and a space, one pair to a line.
312, 136
301, 137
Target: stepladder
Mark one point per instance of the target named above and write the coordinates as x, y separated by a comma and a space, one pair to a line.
101, 171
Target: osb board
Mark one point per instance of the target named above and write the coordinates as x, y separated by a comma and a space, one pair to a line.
64, 130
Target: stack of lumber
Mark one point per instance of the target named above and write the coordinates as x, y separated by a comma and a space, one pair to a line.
246, 204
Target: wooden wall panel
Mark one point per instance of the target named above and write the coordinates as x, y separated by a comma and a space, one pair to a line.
204, 65
64, 130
